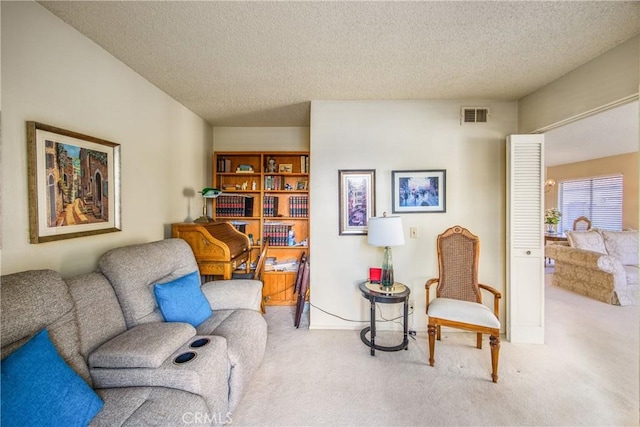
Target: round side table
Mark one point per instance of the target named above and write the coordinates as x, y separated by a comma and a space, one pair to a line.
399, 295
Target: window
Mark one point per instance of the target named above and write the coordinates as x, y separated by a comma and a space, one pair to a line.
599, 199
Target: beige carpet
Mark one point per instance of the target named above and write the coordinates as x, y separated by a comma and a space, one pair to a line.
585, 374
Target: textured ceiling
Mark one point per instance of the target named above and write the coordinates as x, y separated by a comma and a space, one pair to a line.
260, 63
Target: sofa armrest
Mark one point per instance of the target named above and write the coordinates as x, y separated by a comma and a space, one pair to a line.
143, 346
233, 294
584, 259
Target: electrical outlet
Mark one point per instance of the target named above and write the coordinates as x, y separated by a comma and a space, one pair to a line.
413, 232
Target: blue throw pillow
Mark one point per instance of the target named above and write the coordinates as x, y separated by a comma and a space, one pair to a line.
182, 300
39, 388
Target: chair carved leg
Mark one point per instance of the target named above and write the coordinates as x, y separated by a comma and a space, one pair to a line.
431, 330
494, 342
438, 332
479, 341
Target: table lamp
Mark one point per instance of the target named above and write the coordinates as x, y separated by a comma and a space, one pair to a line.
386, 231
207, 193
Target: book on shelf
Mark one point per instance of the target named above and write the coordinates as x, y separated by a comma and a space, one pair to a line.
274, 182
241, 226
244, 169
277, 232
234, 205
270, 206
284, 265
224, 165
299, 206
304, 164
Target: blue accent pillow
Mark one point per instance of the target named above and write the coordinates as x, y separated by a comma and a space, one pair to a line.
182, 300
39, 388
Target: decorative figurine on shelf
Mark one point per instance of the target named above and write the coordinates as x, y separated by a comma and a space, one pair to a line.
254, 186
244, 186
271, 165
288, 186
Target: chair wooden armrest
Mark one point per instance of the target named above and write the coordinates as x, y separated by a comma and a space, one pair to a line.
496, 297
427, 287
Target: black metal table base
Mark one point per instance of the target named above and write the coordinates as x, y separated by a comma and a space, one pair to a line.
381, 297
363, 336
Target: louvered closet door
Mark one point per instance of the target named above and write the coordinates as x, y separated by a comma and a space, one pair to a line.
525, 240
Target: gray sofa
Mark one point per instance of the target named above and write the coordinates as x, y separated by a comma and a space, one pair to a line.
107, 326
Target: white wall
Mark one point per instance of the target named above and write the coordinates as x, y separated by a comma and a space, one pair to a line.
403, 135
260, 138
54, 75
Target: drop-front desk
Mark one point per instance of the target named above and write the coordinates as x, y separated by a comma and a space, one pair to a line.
218, 247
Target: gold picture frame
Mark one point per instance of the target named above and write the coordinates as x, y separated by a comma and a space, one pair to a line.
285, 168
74, 184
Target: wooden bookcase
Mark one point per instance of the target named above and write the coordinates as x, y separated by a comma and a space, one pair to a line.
263, 177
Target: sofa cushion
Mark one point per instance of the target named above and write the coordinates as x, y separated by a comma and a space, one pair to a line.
631, 272
39, 388
622, 245
588, 240
153, 406
144, 346
134, 270
34, 300
97, 310
182, 300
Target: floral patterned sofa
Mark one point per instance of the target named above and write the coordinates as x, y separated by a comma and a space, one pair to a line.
600, 264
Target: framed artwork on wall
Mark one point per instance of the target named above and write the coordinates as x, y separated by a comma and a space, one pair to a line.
74, 184
357, 200
419, 191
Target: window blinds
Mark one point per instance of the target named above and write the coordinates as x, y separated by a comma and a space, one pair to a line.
599, 199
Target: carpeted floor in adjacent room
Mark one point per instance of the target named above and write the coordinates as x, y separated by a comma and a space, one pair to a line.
585, 374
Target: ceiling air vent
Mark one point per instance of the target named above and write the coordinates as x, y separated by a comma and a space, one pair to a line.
474, 115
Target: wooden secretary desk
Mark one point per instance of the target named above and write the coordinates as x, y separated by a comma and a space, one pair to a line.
218, 247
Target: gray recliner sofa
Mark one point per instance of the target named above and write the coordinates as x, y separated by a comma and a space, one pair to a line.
107, 326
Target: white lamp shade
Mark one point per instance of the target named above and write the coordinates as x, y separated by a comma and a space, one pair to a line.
385, 231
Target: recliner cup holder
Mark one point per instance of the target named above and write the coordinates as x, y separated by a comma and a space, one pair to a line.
185, 357
199, 343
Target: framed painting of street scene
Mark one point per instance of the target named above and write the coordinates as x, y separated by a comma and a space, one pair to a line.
418, 191
74, 184
357, 204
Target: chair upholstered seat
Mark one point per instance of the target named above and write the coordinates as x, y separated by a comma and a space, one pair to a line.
463, 311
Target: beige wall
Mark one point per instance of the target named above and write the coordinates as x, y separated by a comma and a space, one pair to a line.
403, 135
261, 138
625, 164
608, 78
54, 75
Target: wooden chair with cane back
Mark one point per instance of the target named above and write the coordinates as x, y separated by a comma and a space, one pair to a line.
256, 274
582, 223
458, 300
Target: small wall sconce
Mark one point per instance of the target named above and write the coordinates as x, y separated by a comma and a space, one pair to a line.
549, 184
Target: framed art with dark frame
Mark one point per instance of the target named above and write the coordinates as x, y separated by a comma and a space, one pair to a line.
74, 184
357, 200
419, 191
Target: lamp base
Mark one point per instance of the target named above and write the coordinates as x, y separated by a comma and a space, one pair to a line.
387, 268
204, 219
